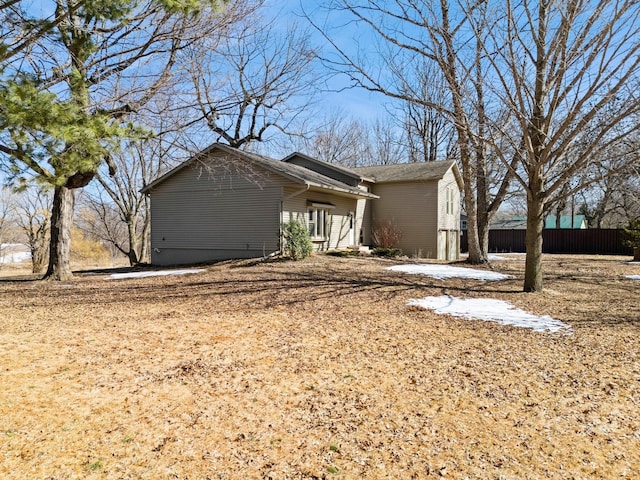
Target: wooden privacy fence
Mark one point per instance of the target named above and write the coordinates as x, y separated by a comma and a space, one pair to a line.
607, 241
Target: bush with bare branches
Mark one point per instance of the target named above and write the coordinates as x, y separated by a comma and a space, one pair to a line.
386, 234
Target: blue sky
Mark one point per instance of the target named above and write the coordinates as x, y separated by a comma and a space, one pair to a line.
355, 102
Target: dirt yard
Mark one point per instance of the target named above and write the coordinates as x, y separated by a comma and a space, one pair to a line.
318, 369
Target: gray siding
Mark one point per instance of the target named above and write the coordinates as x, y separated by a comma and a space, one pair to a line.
217, 209
295, 207
413, 209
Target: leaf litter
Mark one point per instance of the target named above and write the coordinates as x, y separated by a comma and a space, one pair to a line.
259, 370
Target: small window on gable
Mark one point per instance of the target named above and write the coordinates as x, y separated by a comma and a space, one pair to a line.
449, 201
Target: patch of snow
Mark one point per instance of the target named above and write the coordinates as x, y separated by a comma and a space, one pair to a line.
633, 277
489, 310
155, 273
442, 272
504, 256
14, 253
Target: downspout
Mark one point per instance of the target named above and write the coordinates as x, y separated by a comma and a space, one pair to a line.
288, 197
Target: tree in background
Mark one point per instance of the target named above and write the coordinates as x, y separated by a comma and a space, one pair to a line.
430, 136
567, 72
448, 41
117, 213
7, 205
66, 97
257, 80
336, 138
33, 217
613, 200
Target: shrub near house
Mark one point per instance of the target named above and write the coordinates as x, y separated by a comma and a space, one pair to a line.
297, 242
632, 238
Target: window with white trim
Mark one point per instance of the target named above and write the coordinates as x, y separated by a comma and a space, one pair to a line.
450, 201
318, 220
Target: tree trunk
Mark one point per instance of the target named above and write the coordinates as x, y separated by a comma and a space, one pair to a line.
533, 239
133, 247
475, 252
145, 254
483, 236
38, 257
60, 242
476, 255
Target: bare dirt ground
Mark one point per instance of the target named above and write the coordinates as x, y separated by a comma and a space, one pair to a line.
318, 369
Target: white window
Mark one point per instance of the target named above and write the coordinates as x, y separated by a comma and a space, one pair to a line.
450, 201
318, 221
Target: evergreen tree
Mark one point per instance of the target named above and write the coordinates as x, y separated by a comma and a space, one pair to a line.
68, 84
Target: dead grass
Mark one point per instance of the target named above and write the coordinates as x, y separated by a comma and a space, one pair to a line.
317, 369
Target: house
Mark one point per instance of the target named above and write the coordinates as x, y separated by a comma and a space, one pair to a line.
520, 223
226, 203
423, 201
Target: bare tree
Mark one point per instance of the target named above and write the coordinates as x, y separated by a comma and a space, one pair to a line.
430, 135
337, 139
66, 97
567, 72
614, 200
385, 145
118, 214
257, 80
340, 139
450, 39
33, 217
7, 207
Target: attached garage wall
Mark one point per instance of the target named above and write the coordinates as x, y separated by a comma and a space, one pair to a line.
219, 209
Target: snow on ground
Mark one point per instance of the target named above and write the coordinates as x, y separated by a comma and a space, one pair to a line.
490, 310
633, 277
442, 272
506, 256
155, 273
14, 253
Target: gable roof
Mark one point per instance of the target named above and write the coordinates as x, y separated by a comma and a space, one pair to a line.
520, 223
566, 221
404, 172
290, 171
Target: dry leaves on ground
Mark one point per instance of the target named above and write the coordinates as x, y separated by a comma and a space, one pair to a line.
318, 369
